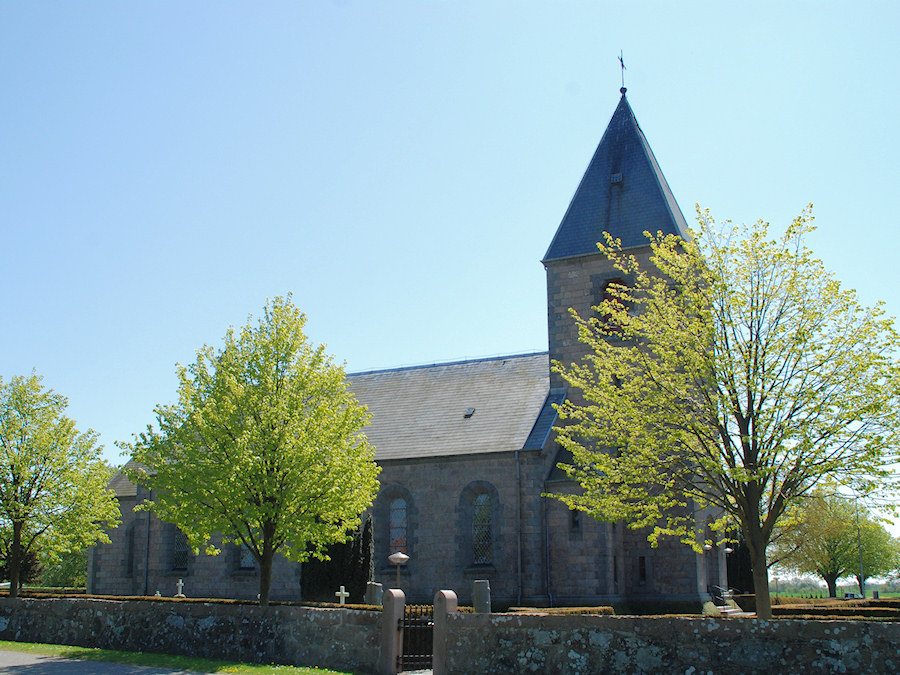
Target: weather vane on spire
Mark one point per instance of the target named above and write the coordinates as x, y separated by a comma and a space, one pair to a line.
622, 63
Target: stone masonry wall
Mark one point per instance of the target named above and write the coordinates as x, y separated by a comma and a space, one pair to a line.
576, 283
439, 492
624, 645
340, 639
128, 566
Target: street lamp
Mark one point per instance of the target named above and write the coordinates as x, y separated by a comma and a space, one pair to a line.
862, 579
398, 558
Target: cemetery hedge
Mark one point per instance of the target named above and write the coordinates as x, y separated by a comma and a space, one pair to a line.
885, 609
561, 611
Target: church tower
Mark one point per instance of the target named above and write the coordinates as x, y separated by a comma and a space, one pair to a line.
623, 192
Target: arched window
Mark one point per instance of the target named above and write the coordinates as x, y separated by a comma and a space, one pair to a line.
180, 551
399, 525
246, 561
482, 544
610, 291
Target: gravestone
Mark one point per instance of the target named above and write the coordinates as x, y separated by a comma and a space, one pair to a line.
373, 593
342, 595
481, 596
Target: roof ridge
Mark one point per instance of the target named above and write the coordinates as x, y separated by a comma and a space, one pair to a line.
460, 362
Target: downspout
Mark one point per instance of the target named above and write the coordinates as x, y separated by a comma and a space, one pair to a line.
547, 547
147, 550
519, 529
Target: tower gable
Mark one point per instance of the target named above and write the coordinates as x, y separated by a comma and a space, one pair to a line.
623, 192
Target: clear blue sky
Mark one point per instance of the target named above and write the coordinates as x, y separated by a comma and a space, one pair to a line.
399, 166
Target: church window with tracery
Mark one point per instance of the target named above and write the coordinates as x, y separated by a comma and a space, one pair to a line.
180, 551
481, 530
399, 525
247, 561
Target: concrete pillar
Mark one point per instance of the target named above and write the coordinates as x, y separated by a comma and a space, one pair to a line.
445, 603
481, 596
393, 604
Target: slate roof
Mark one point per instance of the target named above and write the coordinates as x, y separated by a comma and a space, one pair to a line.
420, 412
623, 192
121, 485
545, 421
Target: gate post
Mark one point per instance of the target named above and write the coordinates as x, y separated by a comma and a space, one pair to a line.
393, 604
445, 602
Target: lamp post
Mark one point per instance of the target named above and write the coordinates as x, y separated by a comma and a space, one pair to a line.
862, 579
398, 558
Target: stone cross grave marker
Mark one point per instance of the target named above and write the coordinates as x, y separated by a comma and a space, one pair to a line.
342, 594
180, 588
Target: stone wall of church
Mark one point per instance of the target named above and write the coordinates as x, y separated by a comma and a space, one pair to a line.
567, 559
128, 566
440, 494
593, 562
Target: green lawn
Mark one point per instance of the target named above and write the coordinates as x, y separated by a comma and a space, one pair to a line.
160, 660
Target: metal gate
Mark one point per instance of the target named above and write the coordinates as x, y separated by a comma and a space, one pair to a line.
417, 625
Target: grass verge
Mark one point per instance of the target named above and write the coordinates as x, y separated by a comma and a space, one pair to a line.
172, 662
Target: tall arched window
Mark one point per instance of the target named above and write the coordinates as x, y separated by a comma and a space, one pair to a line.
482, 548
180, 551
246, 560
399, 525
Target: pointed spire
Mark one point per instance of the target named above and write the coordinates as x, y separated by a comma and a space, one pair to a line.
623, 192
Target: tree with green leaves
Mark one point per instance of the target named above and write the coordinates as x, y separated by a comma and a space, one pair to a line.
880, 552
827, 536
264, 447
54, 497
68, 570
732, 373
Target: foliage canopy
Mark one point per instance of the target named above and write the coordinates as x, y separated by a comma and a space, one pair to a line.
733, 373
54, 496
264, 446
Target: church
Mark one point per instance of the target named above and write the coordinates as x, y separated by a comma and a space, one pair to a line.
467, 449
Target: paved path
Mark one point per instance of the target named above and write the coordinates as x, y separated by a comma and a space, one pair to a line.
20, 663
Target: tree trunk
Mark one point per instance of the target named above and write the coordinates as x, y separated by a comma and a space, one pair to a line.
760, 577
15, 560
265, 572
831, 582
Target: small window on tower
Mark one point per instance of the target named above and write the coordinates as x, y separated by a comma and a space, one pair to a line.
609, 294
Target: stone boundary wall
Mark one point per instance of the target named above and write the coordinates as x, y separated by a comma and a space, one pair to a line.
333, 638
496, 643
